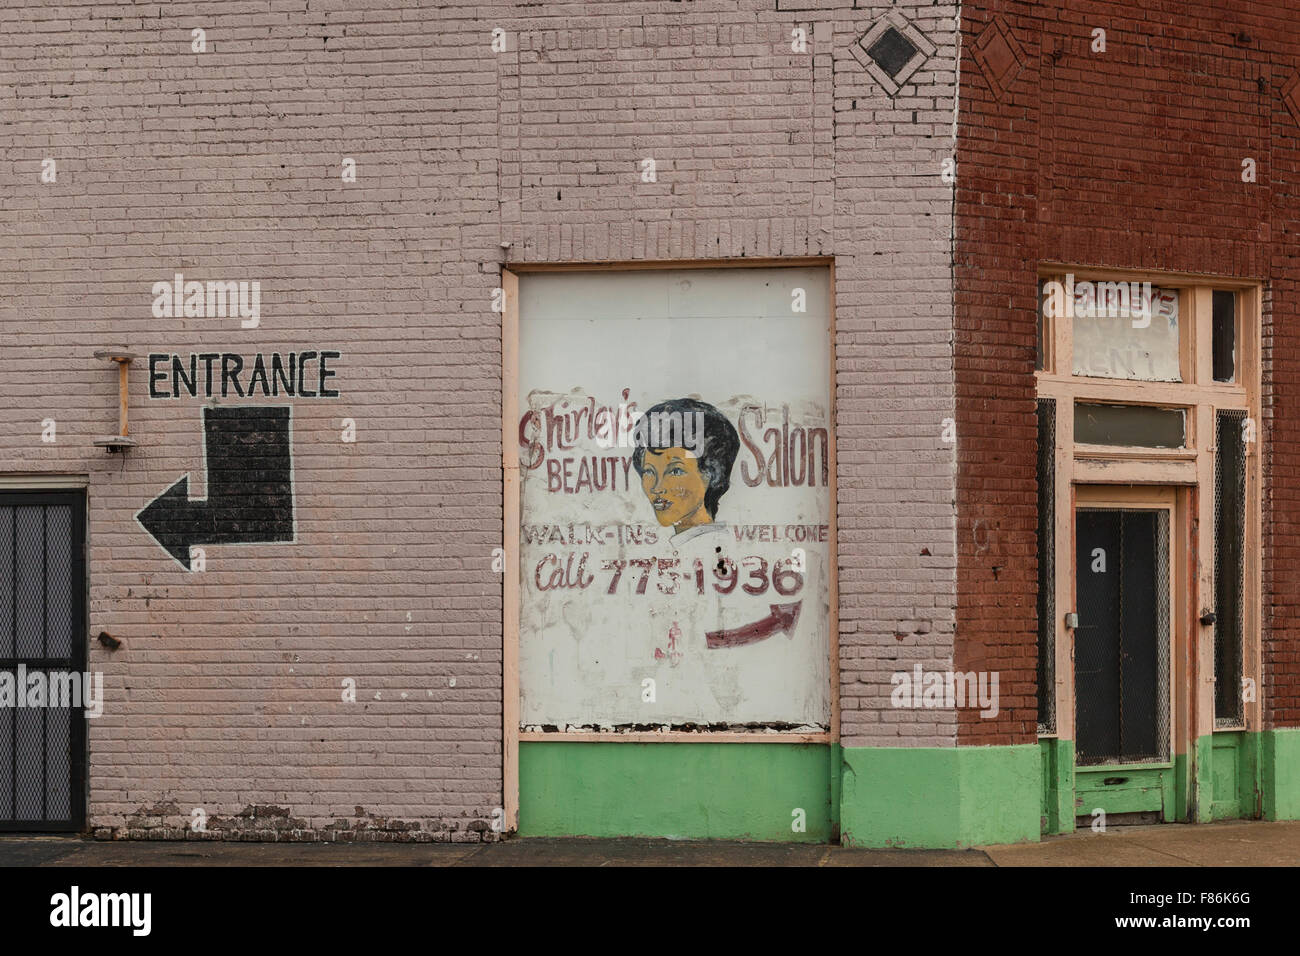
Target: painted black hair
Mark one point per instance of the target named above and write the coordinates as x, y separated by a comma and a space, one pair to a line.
718, 448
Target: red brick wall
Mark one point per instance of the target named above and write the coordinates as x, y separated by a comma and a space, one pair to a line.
1129, 158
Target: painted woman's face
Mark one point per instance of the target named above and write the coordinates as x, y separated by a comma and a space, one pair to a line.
672, 481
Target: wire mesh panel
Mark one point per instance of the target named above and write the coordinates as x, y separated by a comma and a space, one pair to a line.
1122, 641
1229, 566
1163, 641
1046, 565
42, 661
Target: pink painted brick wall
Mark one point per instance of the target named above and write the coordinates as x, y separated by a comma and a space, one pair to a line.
226, 693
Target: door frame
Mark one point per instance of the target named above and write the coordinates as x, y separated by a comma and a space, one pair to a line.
1170, 499
1192, 470
78, 746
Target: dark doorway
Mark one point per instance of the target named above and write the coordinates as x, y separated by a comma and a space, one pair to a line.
1122, 640
42, 640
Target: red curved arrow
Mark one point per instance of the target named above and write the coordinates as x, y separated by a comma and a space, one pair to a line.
782, 618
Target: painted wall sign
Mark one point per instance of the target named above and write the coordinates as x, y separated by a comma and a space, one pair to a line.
674, 449
248, 466
1123, 330
303, 374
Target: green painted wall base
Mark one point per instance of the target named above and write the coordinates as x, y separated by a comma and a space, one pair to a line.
888, 796
1279, 752
678, 790
879, 797
1057, 761
939, 797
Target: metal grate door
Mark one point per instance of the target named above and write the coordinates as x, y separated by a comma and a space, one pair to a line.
1122, 641
42, 632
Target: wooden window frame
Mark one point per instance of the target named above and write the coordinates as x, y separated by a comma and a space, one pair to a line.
1190, 469
512, 733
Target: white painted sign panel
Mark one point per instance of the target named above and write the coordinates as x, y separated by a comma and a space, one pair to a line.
674, 442
1125, 330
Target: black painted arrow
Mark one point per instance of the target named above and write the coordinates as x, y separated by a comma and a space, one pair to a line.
249, 485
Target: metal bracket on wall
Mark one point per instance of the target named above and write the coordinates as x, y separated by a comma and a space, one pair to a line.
120, 441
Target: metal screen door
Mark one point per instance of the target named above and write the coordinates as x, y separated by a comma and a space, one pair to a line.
1122, 641
42, 632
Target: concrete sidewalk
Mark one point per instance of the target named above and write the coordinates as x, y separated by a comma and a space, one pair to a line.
1220, 844
1231, 843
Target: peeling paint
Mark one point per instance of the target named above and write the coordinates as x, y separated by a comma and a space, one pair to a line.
269, 823
774, 727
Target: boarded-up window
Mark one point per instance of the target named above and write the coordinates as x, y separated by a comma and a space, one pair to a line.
674, 447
